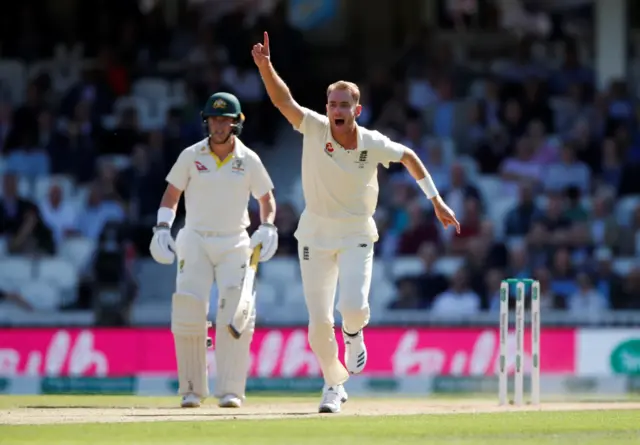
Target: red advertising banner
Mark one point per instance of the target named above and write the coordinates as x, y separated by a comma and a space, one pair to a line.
274, 352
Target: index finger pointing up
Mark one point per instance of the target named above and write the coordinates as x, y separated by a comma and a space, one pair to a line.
266, 40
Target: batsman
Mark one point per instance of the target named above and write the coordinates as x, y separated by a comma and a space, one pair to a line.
216, 176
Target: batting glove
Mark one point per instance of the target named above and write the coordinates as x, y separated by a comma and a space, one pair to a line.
162, 245
267, 236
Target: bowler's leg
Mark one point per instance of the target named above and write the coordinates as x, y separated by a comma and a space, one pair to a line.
232, 355
319, 271
190, 306
356, 266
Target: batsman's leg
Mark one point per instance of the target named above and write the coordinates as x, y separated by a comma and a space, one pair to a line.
232, 355
319, 271
190, 306
356, 266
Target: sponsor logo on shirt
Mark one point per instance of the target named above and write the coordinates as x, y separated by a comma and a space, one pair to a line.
328, 149
201, 167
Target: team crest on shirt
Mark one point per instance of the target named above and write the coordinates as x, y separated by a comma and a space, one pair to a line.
237, 166
362, 159
201, 167
328, 149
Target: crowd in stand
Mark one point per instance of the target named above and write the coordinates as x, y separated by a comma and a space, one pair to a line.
562, 151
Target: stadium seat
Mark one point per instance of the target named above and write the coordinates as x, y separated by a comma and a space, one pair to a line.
403, 266
280, 270
382, 293
151, 89
13, 79
623, 266
77, 251
178, 92
58, 271
293, 294
625, 208
267, 297
490, 186
42, 295
16, 269
448, 265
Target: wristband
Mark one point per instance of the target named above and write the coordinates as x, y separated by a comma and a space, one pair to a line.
428, 187
166, 215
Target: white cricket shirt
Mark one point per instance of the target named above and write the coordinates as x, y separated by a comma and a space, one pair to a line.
216, 192
340, 186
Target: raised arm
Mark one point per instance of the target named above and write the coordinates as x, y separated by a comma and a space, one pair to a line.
276, 88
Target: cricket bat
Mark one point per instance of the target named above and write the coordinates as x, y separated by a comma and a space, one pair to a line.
247, 301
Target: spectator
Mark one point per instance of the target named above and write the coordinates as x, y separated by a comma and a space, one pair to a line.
421, 228
554, 217
287, 223
443, 119
610, 165
607, 281
575, 212
548, 300
58, 215
587, 150
20, 221
476, 133
513, 120
605, 230
27, 159
418, 291
470, 226
408, 295
563, 282
544, 148
457, 301
520, 168
586, 300
97, 212
630, 298
568, 172
125, 135
6, 124
493, 281
420, 92
519, 263
518, 220
535, 104
439, 168
460, 190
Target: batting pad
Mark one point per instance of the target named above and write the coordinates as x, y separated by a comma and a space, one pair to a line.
189, 328
232, 355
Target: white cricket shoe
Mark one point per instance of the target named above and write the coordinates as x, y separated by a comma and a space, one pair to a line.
332, 399
355, 352
230, 401
190, 401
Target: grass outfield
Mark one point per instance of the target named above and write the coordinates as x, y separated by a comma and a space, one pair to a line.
294, 420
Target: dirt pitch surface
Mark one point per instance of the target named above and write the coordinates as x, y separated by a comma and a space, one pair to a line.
257, 410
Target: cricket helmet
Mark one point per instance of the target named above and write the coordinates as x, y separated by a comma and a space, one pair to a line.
223, 104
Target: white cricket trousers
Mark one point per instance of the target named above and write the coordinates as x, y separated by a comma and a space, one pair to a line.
205, 258
322, 270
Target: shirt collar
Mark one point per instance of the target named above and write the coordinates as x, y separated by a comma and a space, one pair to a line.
239, 149
359, 138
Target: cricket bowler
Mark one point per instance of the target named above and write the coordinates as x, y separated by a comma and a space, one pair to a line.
336, 230
216, 175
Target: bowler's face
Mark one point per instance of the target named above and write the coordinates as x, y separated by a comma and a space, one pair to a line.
342, 111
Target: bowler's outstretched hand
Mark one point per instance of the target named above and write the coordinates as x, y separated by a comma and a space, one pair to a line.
260, 52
